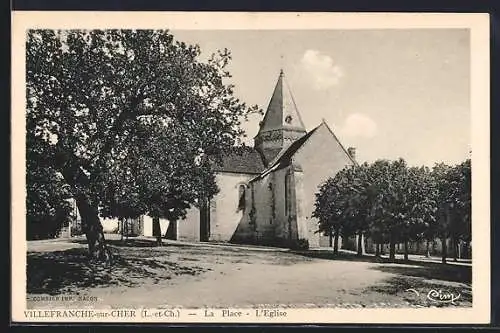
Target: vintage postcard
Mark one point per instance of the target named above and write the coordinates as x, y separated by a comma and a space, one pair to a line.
188, 167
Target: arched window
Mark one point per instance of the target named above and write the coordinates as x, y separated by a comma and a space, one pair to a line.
241, 197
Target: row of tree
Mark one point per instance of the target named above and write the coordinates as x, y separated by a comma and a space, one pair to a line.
393, 203
125, 119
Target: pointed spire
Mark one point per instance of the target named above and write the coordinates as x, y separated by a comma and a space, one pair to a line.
282, 111
282, 123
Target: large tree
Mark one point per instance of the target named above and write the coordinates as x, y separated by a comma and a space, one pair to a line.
464, 208
94, 96
331, 207
386, 200
344, 204
420, 195
453, 215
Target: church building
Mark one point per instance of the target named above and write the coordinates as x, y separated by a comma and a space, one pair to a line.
267, 192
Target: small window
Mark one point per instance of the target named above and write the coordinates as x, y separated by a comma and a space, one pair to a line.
241, 197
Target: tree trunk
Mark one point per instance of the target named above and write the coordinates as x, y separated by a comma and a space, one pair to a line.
127, 224
406, 250
377, 250
121, 229
93, 230
363, 244
455, 249
171, 232
76, 178
417, 250
382, 249
157, 230
359, 246
392, 250
444, 250
427, 249
466, 252
336, 242
330, 238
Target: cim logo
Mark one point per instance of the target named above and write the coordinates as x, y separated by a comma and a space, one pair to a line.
439, 296
442, 296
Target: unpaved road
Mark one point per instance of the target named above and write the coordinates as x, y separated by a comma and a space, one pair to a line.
203, 275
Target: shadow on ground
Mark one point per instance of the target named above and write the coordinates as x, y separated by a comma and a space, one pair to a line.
421, 269
132, 242
409, 276
431, 271
206, 252
64, 271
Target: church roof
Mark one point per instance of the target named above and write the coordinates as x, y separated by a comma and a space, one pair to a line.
241, 159
284, 158
282, 112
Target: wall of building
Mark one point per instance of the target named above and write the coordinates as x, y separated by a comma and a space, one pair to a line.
320, 157
110, 225
263, 204
301, 210
189, 228
147, 228
225, 215
245, 230
285, 229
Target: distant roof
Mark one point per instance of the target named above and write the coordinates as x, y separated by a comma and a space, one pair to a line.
241, 159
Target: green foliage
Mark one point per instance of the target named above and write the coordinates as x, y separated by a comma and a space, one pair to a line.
391, 202
46, 208
47, 211
130, 117
453, 215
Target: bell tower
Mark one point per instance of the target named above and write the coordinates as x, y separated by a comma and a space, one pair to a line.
282, 124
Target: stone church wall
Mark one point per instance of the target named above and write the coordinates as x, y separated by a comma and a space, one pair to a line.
320, 157
262, 216
224, 222
300, 210
280, 221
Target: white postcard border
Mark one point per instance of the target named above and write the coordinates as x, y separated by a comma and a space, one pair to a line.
478, 24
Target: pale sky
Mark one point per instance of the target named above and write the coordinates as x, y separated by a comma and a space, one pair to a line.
389, 93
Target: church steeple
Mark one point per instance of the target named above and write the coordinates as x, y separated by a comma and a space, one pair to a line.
282, 123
